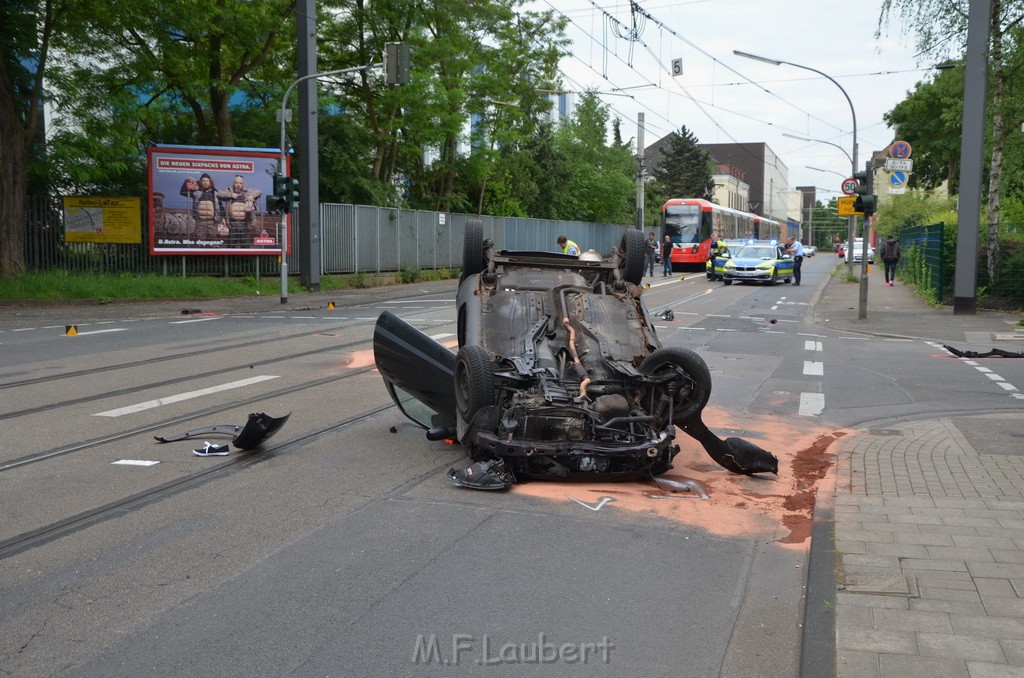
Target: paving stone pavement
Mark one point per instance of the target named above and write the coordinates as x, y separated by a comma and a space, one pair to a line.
929, 529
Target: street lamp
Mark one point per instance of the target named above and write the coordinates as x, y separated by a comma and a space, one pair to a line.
862, 313
819, 169
819, 141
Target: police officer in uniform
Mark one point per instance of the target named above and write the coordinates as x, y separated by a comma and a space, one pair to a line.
796, 249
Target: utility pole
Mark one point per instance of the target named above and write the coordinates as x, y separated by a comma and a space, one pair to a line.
972, 146
309, 152
640, 172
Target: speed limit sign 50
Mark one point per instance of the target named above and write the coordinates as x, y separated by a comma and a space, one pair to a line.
850, 186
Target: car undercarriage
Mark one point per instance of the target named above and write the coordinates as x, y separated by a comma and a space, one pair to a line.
559, 372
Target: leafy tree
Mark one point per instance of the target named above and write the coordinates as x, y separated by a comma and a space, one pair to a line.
913, 209
599, 185
941, 27
685, 169
185, 60
826, 223
550, 173
481, 60
930, 120
30, 28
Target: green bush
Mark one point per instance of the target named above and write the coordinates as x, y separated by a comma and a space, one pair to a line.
409, 274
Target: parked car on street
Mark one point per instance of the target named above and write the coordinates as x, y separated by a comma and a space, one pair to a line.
858, 251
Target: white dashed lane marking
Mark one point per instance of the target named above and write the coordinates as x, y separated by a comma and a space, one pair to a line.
150, 404
814, 369
1003, 384
812, 404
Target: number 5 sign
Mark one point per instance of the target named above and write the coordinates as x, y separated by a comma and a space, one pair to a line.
850, 186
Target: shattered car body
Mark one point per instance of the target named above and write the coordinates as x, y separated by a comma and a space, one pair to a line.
559, 371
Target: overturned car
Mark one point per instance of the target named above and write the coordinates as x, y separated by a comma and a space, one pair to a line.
559, 371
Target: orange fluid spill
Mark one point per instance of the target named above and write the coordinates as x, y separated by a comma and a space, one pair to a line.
359, 359
766, 506
364, 358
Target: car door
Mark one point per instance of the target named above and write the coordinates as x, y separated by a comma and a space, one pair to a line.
418, 372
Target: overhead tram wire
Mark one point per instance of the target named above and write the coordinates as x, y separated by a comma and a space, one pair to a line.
687, 94
604, 77
672, 127
733, 70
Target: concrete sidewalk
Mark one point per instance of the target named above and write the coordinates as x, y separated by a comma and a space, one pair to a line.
928, 514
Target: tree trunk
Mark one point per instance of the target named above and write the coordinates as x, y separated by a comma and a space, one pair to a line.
998, 141
13, 181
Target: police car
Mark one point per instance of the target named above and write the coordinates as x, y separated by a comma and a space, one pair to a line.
763, 261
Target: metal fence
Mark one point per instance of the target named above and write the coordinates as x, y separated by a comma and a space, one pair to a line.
354, 239
922, 260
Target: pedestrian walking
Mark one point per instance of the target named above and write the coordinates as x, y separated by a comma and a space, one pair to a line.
666, 257
890, 257
652, 252
796, 250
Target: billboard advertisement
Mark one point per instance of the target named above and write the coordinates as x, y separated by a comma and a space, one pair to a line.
102, 220
213, 200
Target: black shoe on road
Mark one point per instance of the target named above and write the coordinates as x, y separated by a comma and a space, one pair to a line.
483, 475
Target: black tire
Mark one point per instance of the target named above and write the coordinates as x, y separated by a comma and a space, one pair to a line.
726, 282
474, 381
634, 254
473, 261
694, 387
775, 278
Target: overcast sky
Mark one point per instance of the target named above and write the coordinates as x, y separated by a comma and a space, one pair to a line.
724, 98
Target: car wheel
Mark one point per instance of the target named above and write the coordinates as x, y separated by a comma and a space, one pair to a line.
634, 256
775, 278
693, 388
474, 381
473, 250
726, 281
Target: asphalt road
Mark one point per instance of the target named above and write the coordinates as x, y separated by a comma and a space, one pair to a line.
341, 548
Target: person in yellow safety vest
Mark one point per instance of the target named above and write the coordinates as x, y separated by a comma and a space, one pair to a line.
717, 248
568, 246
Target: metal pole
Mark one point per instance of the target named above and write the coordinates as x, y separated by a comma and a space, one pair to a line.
972, 146
281, 165
853, 159
640, 171
308, 232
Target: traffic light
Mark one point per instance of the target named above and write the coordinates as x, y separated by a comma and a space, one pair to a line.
396, 63
292, 193
866, 201
279, 201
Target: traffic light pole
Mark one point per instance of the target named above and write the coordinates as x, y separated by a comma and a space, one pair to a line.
281, 164
866, 203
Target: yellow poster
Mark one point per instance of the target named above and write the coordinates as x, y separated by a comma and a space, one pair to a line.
101, 219
844, 206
